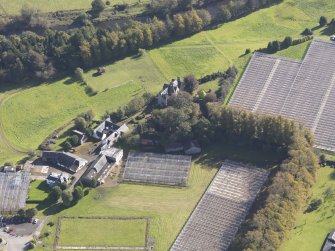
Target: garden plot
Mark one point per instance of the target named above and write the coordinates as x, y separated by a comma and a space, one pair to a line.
303, 91
224, 206
155, 168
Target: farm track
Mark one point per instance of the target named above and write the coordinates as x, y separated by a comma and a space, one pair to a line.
3, 139
218, 49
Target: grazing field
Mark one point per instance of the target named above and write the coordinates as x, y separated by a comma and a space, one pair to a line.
27, 123
29, 115
14, 6
312, 228
103, 232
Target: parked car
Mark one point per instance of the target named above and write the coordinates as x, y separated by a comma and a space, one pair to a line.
35, 221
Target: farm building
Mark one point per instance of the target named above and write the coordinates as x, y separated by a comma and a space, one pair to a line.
300, 90
13, 191
108, 133
55, 179
222, 209
105, 129
81, 136
66, 161
157, 168
168, 90
102, 166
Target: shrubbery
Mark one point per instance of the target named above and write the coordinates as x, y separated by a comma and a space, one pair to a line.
274, 46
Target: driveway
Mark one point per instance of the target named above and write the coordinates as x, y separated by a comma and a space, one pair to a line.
15, 243
19, 243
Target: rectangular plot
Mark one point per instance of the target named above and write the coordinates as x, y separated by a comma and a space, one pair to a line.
302, 91
265, 83
102, 232
157, 168
224, 206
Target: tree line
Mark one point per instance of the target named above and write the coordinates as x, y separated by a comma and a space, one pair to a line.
40, 56
290, 186
276, 45
29, 55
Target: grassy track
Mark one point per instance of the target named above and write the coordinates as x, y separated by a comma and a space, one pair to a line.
312, 228
102, 232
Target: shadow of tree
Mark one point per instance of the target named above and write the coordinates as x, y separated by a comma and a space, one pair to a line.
332, 175
329, 30
54, 209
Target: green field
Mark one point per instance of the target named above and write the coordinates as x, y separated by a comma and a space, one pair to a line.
14, 6
312, 228
102, 232
30, 115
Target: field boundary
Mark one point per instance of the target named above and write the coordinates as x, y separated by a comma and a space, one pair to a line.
58, 231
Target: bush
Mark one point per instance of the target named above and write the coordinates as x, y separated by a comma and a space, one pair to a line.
80, 123
78, 193
93, 183
31, 212
307, 32
315, 204
51, 224
247, 51
134, 106
67, 146
67, 198
190, 83
288, 41
98, 6
90, 91
74, 140
55, 194
63, 186
211, 97
79, 73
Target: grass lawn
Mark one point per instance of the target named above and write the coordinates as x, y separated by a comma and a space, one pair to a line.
312, 228
102, 232
38, 190
14, 6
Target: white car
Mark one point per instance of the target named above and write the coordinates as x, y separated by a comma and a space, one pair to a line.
35, 221
332, 38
